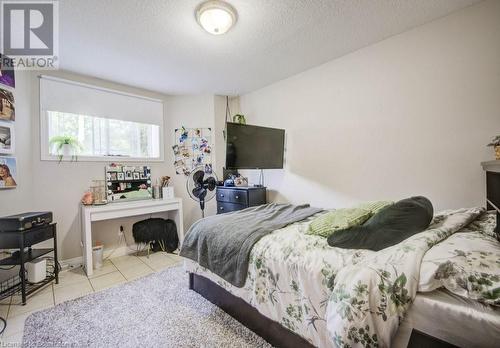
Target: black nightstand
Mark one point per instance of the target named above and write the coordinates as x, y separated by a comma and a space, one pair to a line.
237, 198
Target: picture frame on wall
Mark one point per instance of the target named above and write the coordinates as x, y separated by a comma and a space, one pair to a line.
6, 138
8, 172
7, 106
7, 75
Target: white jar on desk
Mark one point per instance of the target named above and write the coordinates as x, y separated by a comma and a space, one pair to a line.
167, 192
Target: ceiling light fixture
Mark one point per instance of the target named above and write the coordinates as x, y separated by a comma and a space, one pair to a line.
216, 16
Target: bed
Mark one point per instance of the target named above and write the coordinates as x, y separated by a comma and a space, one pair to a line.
299, 291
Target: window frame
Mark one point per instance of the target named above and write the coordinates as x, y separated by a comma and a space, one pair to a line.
44, 131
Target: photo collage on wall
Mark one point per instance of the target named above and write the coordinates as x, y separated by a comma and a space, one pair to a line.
193, 148
8, 165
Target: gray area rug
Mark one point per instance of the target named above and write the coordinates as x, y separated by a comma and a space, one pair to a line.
155, 311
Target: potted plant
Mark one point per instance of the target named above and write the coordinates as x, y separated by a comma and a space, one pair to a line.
66, 146
239, 118
496, 145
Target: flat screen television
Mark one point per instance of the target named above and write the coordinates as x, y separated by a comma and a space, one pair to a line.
253, 147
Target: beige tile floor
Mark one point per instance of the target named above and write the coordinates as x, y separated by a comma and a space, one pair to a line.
73, 284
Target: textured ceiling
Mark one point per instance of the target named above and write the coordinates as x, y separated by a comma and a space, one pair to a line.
157, 44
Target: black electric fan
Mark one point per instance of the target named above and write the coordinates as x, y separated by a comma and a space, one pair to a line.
201, 186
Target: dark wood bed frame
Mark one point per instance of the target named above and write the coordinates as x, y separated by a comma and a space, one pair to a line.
268, 329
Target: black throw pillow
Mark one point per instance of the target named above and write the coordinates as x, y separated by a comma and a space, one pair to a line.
388, 227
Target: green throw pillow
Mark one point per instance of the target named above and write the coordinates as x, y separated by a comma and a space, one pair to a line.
374, 207
336, 220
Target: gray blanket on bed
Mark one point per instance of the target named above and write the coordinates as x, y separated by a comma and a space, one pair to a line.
222, 243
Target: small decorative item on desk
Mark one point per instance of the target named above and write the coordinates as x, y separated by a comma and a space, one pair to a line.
229, 182
157, 190
98, 190
495, 143
236, 180
88, 198
240, 181
167, 191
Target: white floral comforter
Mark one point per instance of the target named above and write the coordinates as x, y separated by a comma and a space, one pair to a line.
339, 297
466, 263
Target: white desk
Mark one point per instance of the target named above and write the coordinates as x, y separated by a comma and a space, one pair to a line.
124, 209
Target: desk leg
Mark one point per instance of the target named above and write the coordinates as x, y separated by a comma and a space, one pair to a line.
87, 242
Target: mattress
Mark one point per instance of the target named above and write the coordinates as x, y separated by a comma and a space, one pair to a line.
452, 318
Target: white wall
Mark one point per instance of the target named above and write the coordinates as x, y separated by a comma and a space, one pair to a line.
409, 115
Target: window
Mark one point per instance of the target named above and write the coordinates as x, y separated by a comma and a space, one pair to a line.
109, 125
104, 136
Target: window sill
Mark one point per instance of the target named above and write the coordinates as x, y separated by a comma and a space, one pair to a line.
108, 159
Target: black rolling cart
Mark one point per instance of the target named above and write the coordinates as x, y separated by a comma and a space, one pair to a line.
22, 240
